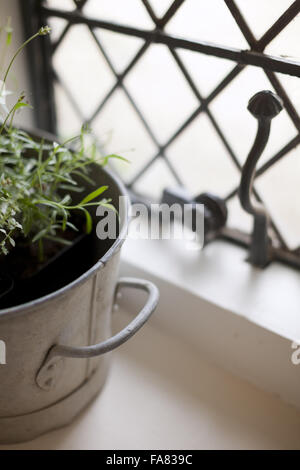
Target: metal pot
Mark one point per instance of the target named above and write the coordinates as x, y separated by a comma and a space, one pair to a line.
56, 345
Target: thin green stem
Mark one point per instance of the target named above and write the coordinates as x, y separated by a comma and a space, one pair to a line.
11, 112
41, 32
15, 55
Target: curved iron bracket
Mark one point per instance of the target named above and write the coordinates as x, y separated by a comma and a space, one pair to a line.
264, 106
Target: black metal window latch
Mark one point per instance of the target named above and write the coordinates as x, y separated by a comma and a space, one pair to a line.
263, 248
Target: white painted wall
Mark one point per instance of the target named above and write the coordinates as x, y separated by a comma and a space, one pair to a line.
19, 77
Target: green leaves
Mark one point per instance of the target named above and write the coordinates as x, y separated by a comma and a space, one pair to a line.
8, 30
89, 221
38, 179
21, 104
93, 195
36, 192
105, 160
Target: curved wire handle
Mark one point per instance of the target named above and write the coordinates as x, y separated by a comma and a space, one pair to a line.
264, 106
53, 366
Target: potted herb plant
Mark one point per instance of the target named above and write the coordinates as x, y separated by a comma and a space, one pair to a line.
57, 279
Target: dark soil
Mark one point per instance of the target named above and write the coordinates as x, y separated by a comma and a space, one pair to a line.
23, 277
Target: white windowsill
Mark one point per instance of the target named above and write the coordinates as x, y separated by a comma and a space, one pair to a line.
241, 318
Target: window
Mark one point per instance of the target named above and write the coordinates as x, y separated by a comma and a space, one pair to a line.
166, 83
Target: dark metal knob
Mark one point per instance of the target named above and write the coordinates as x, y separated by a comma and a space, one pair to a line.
215, 212
265, 104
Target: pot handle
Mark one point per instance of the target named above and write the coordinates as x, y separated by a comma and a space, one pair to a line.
52, 367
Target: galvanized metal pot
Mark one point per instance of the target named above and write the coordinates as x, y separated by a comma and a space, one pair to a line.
55, 345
